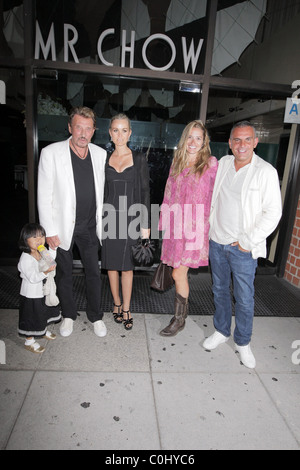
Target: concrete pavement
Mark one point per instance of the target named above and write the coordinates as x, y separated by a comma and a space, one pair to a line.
136, 390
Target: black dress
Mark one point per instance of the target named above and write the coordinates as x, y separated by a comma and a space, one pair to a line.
120, 230
116, 247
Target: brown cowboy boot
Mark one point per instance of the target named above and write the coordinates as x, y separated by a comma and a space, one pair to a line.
177, 323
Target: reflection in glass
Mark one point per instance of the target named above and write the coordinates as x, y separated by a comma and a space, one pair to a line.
13, 175
158, 111
257, 40
11, 29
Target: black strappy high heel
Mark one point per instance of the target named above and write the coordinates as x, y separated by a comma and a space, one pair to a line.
128, 323
118, 316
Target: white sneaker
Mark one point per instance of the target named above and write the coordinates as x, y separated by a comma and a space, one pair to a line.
213, 341
66, 328
246, 356
100, 328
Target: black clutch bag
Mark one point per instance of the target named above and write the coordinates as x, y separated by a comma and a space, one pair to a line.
143, 252
162, 279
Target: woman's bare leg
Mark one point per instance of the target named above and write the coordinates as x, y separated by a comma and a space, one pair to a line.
113, 277
180, 276
127, 281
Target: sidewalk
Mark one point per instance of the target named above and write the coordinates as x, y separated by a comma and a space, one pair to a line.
136, 390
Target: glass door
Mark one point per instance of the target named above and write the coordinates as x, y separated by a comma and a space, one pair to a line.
158, 110
14, 181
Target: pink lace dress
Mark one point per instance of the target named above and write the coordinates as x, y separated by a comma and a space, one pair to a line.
184, 217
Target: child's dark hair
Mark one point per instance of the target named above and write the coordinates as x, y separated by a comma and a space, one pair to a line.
28, 231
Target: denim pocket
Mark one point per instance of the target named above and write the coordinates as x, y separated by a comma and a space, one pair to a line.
243, 253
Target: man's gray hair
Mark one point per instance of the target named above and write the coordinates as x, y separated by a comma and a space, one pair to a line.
243, 124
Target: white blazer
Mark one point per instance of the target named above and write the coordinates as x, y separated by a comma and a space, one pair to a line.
261, 202
56, 190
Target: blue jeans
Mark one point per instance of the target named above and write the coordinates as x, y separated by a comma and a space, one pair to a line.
227, 261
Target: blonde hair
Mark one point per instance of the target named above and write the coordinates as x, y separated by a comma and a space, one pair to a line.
120, 116
180, 159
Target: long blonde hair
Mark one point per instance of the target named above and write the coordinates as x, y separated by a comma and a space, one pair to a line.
180, 159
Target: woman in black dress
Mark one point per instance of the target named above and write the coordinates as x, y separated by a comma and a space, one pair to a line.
126, 184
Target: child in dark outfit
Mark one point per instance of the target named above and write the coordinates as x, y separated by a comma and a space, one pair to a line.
34, 314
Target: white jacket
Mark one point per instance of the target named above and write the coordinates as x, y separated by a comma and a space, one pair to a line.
56, 190
32, 277
261, 202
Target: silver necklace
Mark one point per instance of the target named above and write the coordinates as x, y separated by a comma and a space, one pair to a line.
78, 155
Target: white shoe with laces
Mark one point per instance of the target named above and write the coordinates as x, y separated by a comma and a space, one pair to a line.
66, 327
246, 356
100, 328
213, 341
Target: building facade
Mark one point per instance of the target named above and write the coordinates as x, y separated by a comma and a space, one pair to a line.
163, 63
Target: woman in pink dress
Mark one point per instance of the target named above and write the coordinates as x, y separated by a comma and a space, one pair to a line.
185, 213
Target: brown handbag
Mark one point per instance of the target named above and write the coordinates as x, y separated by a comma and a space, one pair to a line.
162, 279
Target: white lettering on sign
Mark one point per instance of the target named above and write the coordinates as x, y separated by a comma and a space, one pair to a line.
190, 55
292, 111
39, 43
296, 84
48, 48
69, 44
171, 44
102, 36
129, 49
292, 107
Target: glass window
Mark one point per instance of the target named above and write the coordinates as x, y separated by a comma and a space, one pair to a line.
11, 29
265, 112
13, 175
159, 110
257, 40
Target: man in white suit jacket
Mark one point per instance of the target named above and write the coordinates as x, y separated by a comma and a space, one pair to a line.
245, 210
70, 200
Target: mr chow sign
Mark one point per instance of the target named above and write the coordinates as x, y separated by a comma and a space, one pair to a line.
45, 48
